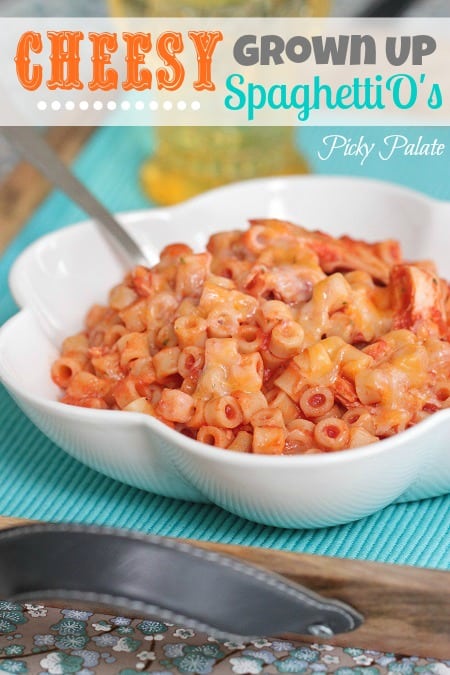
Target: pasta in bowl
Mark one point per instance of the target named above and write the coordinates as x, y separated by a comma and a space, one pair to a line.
258, 345
275, 340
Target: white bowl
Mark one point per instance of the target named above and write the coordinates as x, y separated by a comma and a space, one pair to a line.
58, 277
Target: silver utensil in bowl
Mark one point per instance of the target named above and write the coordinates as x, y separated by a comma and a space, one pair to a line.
35, 149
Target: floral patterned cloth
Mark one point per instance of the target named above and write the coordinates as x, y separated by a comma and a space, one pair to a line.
36, 639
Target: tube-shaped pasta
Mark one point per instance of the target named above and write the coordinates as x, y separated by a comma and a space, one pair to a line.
191, 274
271, 312
166, 337
223, 241
286, 339
242, 442
332, 433
186, 307
161, 308
191, 361
87, 402
107, 365
191, 331
222, 323
189, 384
135, 316
153, 393
359, 436
221, 438
75, 345
250, 338
198, 416
165, 362
122, 296
359, 417
250, 403
316, 401
113, 334
143, 370
291, 381
141, 405
247, 374
172, 253
272, 362
279, 400
63, 369
223, 411
353, 361
372, 386
175, 406
268, 440
335, 411
300, 436
83, 385
132, 346
125, 392
267, 417
256, 239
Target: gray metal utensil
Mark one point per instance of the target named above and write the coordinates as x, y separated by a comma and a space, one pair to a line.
38, 152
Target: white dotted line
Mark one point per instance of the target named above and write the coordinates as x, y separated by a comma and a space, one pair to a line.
112, 105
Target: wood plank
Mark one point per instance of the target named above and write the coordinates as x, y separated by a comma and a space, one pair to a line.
24, 188
406, 609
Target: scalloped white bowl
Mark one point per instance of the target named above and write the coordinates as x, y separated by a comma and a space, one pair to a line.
59, 276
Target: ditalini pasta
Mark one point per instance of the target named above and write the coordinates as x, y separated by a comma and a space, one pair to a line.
275, 340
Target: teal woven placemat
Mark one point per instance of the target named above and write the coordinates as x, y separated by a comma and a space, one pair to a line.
38, 480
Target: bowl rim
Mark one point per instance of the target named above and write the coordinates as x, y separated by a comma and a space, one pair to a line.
158, 427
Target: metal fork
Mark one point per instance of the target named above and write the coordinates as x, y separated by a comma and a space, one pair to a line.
38, 152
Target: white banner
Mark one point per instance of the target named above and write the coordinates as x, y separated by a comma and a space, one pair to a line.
229, 72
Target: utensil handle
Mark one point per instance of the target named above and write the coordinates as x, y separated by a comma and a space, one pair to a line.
159, 576
36, 150
406, 609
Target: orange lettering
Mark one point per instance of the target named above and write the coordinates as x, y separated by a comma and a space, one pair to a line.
205, 42
29, 41
138, 45
167, 46
65, 59
103, 45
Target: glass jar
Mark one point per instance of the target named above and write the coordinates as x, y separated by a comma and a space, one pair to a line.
188, 160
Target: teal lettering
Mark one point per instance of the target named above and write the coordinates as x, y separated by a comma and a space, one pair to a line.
229, 101
277, 97
255, 102
303, 105
398, 84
